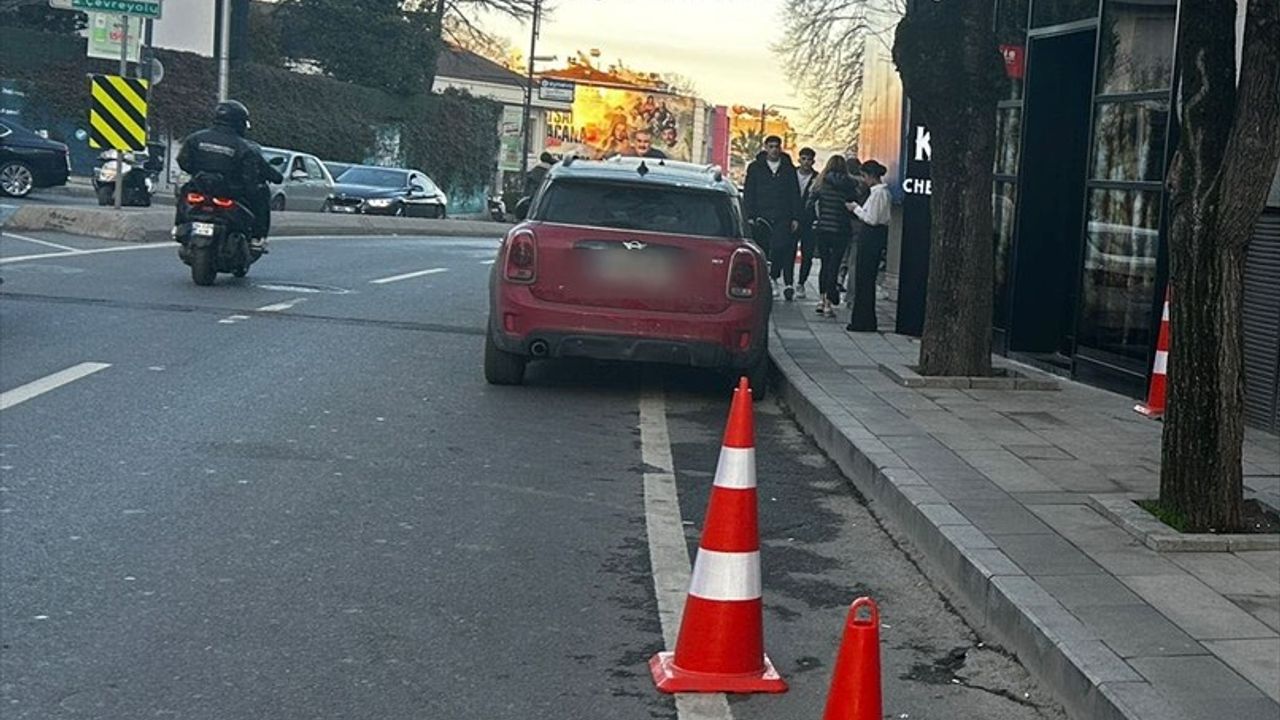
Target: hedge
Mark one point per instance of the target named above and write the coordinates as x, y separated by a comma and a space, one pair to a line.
453, 136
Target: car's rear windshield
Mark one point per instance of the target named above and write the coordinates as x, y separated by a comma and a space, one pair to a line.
629, 206
375, 177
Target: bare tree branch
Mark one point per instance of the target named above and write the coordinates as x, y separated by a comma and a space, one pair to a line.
822, 53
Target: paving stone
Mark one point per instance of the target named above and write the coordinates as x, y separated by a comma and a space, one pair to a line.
1075, 475
1050, 498
922, 494
942, 515
1008, 471
1263, 607
1132, 560
1085, 527
964, 441
1004, 518
1077, 591
1046, 554
968, 536
1196, 608
1268, 561
1227, 573
1204, 687
1137, 630
1257, 660
1040, 452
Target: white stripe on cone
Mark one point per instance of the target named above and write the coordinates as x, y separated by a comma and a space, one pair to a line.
1162, 363
1165, 316
726, 576
736, 469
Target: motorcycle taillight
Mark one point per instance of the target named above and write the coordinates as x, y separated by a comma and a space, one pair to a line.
195, 198
223, 203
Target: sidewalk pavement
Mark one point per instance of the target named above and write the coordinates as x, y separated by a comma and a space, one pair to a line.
1022, 500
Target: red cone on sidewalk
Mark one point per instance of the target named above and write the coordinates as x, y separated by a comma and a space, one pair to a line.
720, 647
855, 684
1154, 406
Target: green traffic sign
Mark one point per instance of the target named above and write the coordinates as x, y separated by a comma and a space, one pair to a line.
139, 8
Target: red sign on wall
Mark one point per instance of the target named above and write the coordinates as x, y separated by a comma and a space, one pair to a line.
1015, 60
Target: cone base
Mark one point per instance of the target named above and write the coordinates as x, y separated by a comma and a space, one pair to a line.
1148, 412
671, 679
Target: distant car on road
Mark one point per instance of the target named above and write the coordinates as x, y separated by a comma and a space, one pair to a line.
630, 259
373, 190
307, 184
29, 161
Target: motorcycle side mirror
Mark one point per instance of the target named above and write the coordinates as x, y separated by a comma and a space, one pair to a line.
522, 208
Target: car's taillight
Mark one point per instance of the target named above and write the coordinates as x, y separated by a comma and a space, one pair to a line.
743, 278
521, 265
195, 198
223, 203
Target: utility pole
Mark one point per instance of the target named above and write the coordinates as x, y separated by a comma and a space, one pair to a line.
528, 91
124, 72
222, 46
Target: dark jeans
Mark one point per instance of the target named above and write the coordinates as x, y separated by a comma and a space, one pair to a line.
831, 247
259, 201
870, 246
807, 242
782, 261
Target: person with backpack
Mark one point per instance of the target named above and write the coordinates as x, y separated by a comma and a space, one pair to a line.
833, 227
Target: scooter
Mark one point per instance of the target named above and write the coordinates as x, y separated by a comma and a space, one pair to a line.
497, 209
214, 231
139, 184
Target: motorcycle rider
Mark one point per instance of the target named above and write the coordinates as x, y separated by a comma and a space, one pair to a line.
222, 149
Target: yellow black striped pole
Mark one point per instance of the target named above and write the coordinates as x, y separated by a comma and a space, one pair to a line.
118, 113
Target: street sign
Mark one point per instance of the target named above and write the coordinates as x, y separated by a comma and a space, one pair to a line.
118, 113
140, 8
105, 32
61, 5
556, 90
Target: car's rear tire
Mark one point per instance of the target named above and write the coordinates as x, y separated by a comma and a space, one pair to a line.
16, 179
277, 203
501, 367
203, 271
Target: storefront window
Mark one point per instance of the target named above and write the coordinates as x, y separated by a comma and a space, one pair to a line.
1004, 209
1136, 46
1118, 286
1129, 140
1011, 34
1058, 12
1008, 139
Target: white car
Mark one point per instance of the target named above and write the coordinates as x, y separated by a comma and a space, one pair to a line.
307, 183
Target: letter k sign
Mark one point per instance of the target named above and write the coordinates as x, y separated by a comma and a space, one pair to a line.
924, 151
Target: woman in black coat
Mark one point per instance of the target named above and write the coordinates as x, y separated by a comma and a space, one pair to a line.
833, 226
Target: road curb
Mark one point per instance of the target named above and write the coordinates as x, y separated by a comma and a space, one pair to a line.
151, 225
997, 598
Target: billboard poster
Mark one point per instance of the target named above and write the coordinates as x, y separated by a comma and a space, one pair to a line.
512, 138
105, 33
608, 121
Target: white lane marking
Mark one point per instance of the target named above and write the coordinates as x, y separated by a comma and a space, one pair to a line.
95, 251
37, 241
408, 276
232, 319
280, 306
23, 393
668, 553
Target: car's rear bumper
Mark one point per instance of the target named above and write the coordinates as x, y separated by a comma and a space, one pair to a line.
524, 325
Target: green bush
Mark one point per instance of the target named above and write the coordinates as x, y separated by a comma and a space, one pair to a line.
453, 137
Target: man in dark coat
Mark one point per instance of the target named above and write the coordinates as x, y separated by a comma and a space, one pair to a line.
772, 193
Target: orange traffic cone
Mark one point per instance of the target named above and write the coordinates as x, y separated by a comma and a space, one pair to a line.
855, 684
720, 647
1154, 406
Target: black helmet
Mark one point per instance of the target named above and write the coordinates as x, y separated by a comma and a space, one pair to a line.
233, 114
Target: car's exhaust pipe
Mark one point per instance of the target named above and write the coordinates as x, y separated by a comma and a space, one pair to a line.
539, 348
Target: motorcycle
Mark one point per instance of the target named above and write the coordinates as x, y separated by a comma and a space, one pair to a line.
497, 209
214, 231
138, 173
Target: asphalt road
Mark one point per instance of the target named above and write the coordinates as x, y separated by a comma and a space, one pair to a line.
293, 496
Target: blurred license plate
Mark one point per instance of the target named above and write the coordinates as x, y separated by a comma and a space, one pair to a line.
634, 268
344, 208
202, 229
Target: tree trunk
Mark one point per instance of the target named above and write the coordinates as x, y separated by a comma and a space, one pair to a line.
951, 70
1226, 160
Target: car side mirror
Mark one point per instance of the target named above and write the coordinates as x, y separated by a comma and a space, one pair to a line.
299, 175
522, 208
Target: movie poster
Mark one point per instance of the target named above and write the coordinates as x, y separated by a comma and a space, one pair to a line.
610, 121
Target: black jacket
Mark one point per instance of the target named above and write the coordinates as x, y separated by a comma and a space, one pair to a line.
221, 150
828, 203
770, 195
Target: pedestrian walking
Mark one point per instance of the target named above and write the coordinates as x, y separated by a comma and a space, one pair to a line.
772, 193
533, 179
806, 176
874, 213
834, 190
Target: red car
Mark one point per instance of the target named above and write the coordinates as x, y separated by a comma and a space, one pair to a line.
630, 259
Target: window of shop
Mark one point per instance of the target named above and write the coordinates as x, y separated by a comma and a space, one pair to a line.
1046, 13
1011, 33
1125, 200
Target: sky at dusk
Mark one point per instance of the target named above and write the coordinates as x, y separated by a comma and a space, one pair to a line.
722, 45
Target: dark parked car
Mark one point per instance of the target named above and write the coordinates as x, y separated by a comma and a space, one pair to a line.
28, 161
337, 168
388, 191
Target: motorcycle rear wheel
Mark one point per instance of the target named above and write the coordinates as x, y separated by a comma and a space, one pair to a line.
203, 270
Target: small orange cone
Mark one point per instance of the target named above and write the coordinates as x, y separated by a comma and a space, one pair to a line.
720, 647
1154, 406
855, 684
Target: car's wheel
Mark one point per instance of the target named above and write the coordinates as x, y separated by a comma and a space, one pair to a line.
758, 376
444, 213
327, 206
277, 203
400, 211
501, 367
203, 271
16, 179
